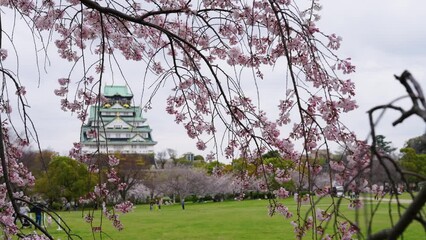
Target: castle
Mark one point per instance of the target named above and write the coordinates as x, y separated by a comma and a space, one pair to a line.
116, 125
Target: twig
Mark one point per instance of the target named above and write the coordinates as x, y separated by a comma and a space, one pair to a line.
418, 108
417, 97
405, 220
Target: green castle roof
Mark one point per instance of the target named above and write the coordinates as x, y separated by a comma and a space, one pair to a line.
110, 91
95, 109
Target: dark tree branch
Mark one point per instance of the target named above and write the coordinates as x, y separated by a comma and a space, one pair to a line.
418, 108
416, 95
405, 220
422, 177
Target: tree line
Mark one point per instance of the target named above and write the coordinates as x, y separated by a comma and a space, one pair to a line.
61, 179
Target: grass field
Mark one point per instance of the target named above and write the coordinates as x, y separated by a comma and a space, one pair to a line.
222, 221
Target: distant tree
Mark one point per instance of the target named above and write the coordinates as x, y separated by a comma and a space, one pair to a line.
279, 172
240, 165
178, 182
222, 185
272, 154
65, 178
172, 155
182, 161
414, 164
37, 161
153, 180
130, 170
417, 143
161, 159
379, 171
186, 181
199, 164
385, 146
209, 166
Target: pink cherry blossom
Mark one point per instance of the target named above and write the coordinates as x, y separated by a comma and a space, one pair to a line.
356, 204
124, 207
3, 54
201, 145
113, 160
282, 193
283, 210
334, 41
322, 215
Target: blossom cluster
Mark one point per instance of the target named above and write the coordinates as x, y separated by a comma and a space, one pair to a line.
18, 175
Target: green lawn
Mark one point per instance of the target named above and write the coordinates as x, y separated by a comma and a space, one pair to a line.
226, 220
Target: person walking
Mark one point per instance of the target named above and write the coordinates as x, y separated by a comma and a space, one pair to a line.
151, 205
159, 203
37, 210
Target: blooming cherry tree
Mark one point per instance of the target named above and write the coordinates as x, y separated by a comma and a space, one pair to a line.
214, 53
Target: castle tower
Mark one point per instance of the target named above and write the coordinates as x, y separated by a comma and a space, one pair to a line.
116, 125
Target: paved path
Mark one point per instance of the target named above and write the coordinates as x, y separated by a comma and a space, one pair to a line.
394, 200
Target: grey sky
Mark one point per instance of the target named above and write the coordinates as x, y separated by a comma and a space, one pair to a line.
382, 38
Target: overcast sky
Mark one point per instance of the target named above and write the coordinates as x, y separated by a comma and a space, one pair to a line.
383, 38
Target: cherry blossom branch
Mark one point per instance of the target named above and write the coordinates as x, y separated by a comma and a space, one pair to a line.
9, 154
119, 14
5, 171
